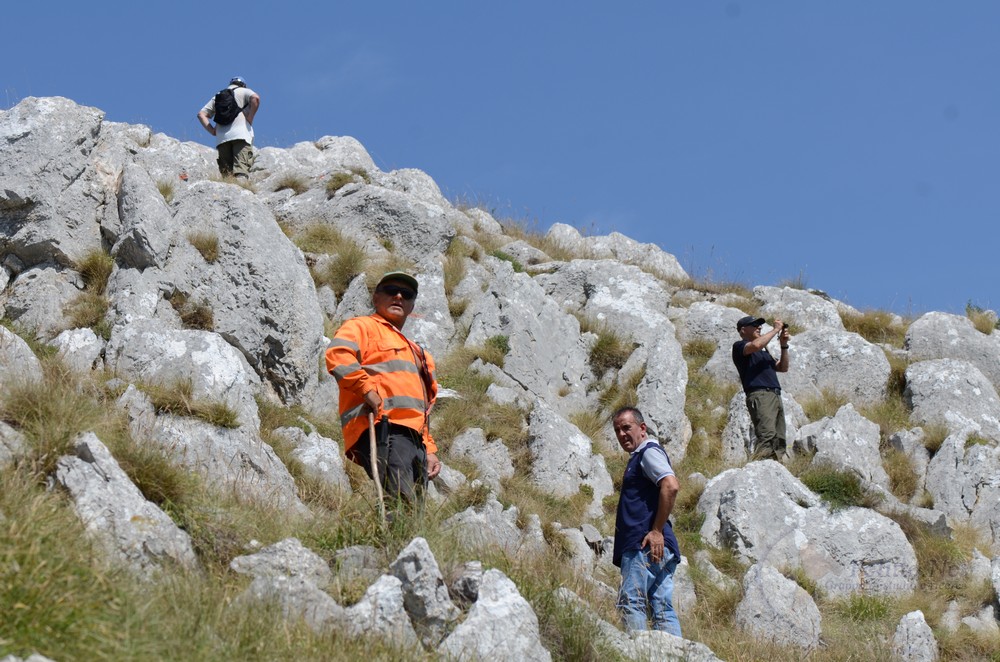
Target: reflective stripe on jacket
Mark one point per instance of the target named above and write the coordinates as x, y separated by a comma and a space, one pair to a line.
369, 353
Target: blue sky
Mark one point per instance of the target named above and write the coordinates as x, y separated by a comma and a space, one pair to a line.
852, 144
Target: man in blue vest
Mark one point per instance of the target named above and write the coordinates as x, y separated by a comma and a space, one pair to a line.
645, 546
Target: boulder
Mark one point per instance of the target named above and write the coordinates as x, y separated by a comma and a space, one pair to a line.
563, 459
235, 459
944, 336
146, 353
132, 529
13, 445
914, 641
547, 354
662, 394
288, 558
488, 527
955, 394
80, 349
847, 551
39, 297
800, 307
837, 361
847, 442
51, 194
320, 457
146, 231
778, 610
425, 594
501, 625
616, 246
492, 459
17, 361
962, 479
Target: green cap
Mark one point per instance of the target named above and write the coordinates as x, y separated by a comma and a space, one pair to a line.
401, 276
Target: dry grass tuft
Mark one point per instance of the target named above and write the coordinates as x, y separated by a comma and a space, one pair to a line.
206, 243
194, 315
178, 399
295, 183
876, 326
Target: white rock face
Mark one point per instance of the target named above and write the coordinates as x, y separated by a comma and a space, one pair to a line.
425, 594
962, 479
617, 246
838, 361
954, 394
914, 641
287, 558
133, 530
491, 458
17, 361
319, 456
662, 394
848, 441
81, 349
500, 626
944, 336
800, 307
853, 550
563, 459
777, 609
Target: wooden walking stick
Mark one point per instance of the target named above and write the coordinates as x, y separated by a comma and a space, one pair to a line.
374, 465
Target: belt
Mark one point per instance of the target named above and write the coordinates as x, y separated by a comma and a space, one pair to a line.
768, 389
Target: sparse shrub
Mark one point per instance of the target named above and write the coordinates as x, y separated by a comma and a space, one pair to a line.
495, 349
875, 326
840, 489
984, 320
610, 352
295, 183
206, 243
95, 268
166, 188
339, 180
178, 398
500, 255
339, 271
193, 315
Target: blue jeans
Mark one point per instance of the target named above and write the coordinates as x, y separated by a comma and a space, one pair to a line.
648, 588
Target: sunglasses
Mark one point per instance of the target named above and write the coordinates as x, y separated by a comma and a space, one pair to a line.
393, 290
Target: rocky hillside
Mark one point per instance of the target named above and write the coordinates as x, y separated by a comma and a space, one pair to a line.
171, 460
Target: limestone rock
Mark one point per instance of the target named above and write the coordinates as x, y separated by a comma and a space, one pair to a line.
777, 609
500, 626
617, 246
962, 479
563, 459
425, 595
914, 641
491, 458
662, 395
944, 336
852, 550
848, 442
319, 456
81, 349
37, 300
838, 361
490, 526
17, 361
800, 307
955, 394
133, 530
287, 558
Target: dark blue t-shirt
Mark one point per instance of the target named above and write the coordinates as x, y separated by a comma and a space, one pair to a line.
756, 370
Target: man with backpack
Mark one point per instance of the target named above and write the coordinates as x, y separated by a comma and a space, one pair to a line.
233, 110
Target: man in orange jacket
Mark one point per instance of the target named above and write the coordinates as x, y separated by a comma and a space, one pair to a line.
381, 371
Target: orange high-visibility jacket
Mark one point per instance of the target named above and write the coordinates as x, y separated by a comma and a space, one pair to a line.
369, 353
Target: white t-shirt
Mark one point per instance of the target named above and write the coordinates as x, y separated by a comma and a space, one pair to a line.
239, 129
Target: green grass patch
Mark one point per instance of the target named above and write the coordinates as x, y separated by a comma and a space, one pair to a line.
610, 351
839, 489
339, 180
500, 255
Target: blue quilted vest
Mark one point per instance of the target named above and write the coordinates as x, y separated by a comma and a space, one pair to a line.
637, 509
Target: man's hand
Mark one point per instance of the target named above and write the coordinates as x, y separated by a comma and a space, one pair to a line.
374, 402
433, 466
655, 541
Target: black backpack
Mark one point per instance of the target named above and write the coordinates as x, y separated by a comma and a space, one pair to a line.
226, 108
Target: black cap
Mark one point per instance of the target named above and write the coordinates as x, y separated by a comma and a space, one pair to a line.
749, 320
